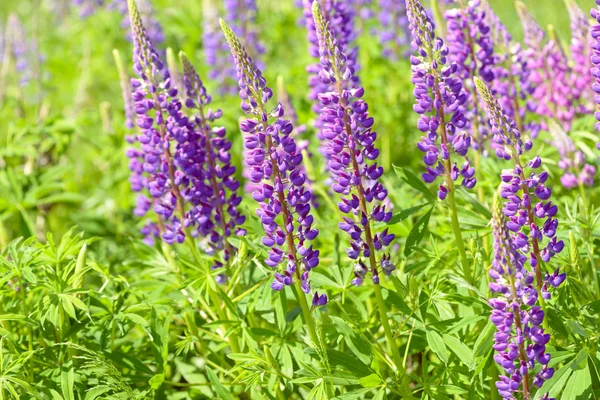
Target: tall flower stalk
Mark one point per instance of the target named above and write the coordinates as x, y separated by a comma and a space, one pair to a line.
219, 217
520, 340
349, 148
169, 163
531, 216
439, 97
280, 189
341, 16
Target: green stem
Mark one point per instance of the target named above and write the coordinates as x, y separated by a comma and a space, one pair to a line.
308, 319
387, 330
457, 233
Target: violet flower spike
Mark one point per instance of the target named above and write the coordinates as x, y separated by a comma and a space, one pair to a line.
528, 208
168, 141
520, 340
341, 16
350, 152
471, 47
439, 97
219, 216
280, 189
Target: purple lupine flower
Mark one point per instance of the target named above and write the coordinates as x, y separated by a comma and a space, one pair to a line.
219, 216
512, 84
170, 147
471, 47
341, 16
393, 31
126, 91
528, 208
351, 153
581, 77
550, 72
274, 160
439, 97
520, 340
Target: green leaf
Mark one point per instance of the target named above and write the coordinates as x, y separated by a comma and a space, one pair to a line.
416, 233
462, 351
138, 319
579, 386
348, 362
370, 381
415, 182
96, 392
554, 385
437, 345
156, 381
479, 207
217, 386
580, 361
67, 380
359, 346
483, 344
402, 215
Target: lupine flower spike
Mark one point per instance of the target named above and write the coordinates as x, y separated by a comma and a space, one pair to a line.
219, 216
437, 88
280, 184
165, 164
439, 96
520, 340
472, 49
351, 154
530, 214
340, 16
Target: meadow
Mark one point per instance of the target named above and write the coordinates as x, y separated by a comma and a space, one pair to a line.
299, 199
